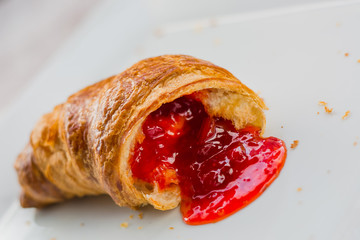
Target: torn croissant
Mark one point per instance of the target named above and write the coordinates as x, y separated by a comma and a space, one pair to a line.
86, 146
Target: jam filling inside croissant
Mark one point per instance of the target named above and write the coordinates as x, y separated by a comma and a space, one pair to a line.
219, 169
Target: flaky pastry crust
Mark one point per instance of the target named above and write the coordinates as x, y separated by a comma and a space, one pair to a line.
84, 145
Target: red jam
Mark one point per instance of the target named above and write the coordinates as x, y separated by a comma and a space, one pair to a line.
219, 169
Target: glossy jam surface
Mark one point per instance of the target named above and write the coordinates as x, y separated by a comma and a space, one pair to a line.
219, 169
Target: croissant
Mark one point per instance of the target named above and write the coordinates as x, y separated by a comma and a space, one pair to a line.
86, 145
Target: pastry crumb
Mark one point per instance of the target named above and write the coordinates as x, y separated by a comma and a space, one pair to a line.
346, 115
131, 216
140, 227
141, 215
294, 144
82, 224
198, 28
124, 225
328, 171
282, 126
328, 110
213, 22
358, 60
171, 228
322, 103
355, 143
217, 41
318, 113
28, 223
52, 238
346, 54
299, 189
158, 32
300, 202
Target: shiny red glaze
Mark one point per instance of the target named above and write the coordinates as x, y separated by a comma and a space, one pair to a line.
219, 169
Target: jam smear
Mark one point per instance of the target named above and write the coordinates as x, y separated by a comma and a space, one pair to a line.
219, 169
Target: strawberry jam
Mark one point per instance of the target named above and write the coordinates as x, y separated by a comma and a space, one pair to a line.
219, 169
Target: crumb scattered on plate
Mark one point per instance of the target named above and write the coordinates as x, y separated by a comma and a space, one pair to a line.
282, 126
346, 114
140, 227
131, 216
328, 110
346, 54
294, 144
141, 215
213, 22
171, 228
28, 223
217, 41
52, 238
358, 60
124, 225
82, 224
158, 32
299, 189
318, 113
198, 28
328, 171
355, 143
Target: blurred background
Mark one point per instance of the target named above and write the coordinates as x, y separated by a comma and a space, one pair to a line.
31, 31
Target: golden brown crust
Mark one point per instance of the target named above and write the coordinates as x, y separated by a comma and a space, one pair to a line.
83, 146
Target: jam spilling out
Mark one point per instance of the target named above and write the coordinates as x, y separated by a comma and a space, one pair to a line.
219, 169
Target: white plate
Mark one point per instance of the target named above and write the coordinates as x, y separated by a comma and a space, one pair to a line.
294, 56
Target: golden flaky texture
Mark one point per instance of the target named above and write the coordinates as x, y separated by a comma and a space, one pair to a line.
84, 145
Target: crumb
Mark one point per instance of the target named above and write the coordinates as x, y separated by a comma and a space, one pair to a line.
140, 227
158, 32
217, 41
299, 189
198, 28
322, 103
82, 224
28, 223
300, 202
282, 126
338, 24
328, 110
346, 114
294, 144
131, 216
141, 215
318, 113
213, 22
328, 171
52, 238
171, 228
124, 225
346, 54
355, 143
358, 60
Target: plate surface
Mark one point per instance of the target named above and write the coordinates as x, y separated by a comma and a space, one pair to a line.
294, 57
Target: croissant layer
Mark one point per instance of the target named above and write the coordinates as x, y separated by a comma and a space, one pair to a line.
84, 145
